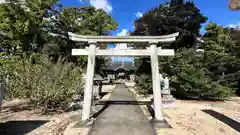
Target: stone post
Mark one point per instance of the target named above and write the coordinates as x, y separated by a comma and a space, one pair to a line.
167, 99
97, 89
156, 82
2, 88
87, 102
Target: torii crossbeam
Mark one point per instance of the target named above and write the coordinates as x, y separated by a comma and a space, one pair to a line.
153, 51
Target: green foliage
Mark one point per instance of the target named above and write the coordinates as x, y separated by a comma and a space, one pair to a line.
28, 26
212, 74
41, 26
179, 16
22, 22
144, 81
220, 57
217, 40
36, 78
143, 66
189, 78
86, 20
191, 81
235, 61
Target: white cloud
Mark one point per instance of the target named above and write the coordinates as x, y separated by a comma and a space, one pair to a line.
100, 4
120, 46
234, 25
124, 32
139, 14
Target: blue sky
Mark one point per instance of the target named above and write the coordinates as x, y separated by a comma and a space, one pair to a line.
126, 11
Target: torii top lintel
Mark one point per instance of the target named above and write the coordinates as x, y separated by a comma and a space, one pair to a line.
123, 39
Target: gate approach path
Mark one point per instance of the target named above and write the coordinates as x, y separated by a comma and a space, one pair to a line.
122, 119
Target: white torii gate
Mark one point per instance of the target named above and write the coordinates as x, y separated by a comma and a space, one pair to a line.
153, 51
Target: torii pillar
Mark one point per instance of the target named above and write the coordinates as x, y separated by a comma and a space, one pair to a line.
157, 95
89, 81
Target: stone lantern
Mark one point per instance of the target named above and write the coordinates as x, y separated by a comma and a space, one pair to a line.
97, 87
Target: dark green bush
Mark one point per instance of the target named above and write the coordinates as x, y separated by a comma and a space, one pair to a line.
191, 80
192, 83
43, 82
188, 78
144, 82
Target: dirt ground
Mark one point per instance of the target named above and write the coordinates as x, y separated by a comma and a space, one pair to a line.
32, 122
198, 117
187, 118
16, 119
203, 118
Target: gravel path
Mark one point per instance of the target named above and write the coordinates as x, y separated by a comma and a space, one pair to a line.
122, 119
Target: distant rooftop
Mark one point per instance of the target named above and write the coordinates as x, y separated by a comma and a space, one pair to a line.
126, 65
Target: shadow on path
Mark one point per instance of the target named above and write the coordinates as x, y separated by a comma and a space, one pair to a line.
119, 102
95, 115
230, 122
121, 115
19, 127
124, 102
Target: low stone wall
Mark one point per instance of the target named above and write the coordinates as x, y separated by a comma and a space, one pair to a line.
130, 84
167, 99
108, 88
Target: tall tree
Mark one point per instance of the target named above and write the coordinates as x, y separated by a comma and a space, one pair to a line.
178, 16
234, 62
191, 73
219, 58
235, 35
86, 20
22, 22
43, 26
27, 25
167, 18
